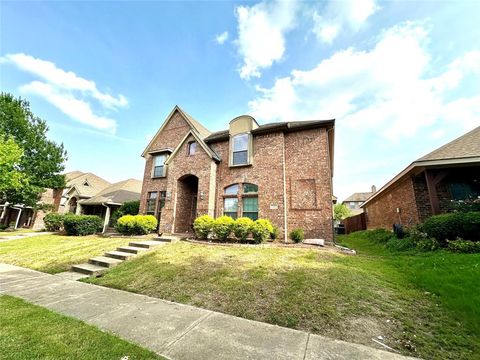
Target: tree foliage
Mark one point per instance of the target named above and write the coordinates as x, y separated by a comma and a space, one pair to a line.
340, 212
42, 161
10, 176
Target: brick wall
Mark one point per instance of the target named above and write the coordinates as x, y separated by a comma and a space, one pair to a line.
308, 175
381, 212
421, 196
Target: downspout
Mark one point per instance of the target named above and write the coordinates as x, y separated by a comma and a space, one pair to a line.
285, 219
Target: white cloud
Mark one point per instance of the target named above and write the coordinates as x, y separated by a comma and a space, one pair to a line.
221, 38
340, 14
67, 91
78, 110
388, 103
261, 34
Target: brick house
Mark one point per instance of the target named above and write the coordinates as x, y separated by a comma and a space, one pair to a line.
428, 185
279, 171
354, 201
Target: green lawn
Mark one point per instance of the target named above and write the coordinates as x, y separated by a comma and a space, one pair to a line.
406, 299
31, 332
17, 232
56, 253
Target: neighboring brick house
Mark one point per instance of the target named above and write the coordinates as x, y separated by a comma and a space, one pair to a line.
279, 171
428, 185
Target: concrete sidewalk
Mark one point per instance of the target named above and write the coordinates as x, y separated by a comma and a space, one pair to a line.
23, 236
174, 330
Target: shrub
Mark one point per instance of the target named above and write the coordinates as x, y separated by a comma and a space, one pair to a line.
80, 225
261, 230
242, 228
136, 224
274, 233
53, 221
464, 246
222, 227
203, 226
428, 244
450, 226
297, 235
403, 244
127, 208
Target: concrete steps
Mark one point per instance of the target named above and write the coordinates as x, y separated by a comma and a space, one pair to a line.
104, 261
99, 264
120, 255
147, 244
89, 269
132, 249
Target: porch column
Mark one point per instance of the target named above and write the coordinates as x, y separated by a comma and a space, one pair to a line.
78, 210
107, 219
432, 181
18, 217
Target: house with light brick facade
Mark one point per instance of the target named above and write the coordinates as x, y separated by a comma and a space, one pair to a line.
279, 171
429, 185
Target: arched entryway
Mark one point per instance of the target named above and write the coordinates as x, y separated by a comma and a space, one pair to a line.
186, 203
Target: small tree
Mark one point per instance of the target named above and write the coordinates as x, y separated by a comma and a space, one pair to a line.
10, 177
340, 212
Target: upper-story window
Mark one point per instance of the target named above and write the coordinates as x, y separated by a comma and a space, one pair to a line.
159, 165
192, 148
240, 149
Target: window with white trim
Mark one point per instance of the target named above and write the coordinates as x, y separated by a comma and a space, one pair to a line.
159, 165
240, 149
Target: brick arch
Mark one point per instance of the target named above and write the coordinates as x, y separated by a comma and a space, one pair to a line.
186, 202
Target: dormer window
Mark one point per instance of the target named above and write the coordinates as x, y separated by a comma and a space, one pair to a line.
240, 149
86, 183
159, 165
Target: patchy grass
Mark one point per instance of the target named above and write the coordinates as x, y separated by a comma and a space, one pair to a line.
32, 332
56, 253
354, 298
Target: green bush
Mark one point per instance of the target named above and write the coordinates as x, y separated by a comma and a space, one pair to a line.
222, 227
80, 225
464, 246
203, 226
427, 244
450, 226
242, 228
127, 208
297, 235
53, 221
274, 233
261, 230
136, 224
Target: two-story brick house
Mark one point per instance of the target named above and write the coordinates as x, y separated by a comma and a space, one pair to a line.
279, 171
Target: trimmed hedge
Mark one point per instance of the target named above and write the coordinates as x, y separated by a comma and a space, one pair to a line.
81, 225
242, 228
261, 230
203, 226
53, 221
127, 208
136, 224
222, 227
464, 246
453, 225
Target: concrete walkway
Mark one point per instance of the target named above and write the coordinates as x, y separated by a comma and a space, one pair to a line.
174, 330
23, 236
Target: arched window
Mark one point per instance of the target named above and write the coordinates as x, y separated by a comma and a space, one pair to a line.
241, 200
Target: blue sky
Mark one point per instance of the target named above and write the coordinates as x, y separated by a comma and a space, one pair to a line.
401, 78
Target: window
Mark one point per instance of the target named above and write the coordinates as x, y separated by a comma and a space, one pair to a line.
250, 207
240, 149
159, 165
231, 190
250, 188
241, 200
151, 203
161, 201
230, 207
192, 148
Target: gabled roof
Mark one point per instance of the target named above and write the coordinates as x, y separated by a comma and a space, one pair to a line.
358, 197
463, 150
94, 184
117, 194
212, 154
201, 130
